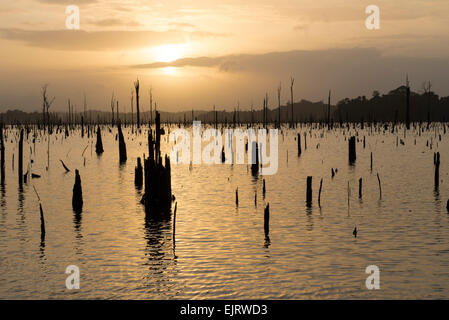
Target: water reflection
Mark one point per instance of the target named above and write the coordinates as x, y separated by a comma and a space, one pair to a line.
157, 252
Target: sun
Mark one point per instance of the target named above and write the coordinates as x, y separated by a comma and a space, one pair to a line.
169, 52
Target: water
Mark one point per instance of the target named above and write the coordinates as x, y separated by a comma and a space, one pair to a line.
220, 251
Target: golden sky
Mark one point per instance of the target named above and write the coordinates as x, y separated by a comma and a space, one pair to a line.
198, 53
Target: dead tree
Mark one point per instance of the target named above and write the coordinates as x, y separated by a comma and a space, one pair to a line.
279, 106
137, 86
2, 155
292, 81
407, 105
20, 160
151, 106
46, 104
112, 108
329, 111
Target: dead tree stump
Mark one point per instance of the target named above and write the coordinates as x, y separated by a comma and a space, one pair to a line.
77, 198
158, 195
266, 220
99, 144
309, 192
299, 145
121, 144
360, 188
138, 177
352, 152
436, 160
255, 164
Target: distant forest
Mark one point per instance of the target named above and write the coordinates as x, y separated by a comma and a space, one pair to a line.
390, 107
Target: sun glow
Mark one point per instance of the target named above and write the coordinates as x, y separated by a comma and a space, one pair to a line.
169, 52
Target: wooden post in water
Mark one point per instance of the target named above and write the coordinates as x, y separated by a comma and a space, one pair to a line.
352, 152
299, 144
20, 160
121, 144
266, 220
77, 198
371, 161
309, 192
99, 144
437, 169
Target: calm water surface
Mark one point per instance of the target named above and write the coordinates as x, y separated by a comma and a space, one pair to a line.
220, 251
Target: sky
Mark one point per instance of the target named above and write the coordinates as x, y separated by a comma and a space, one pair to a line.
196, 54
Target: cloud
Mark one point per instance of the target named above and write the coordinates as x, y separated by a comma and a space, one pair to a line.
68, 2
348, 72
114, 22
273, 61
79, 40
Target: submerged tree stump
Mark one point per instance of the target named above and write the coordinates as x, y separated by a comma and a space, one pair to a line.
352, 152
266, 220
309, 192
77, 198
299, 145
255, 165
121, 144
436, 160
138, 177
158, 195
99, 144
